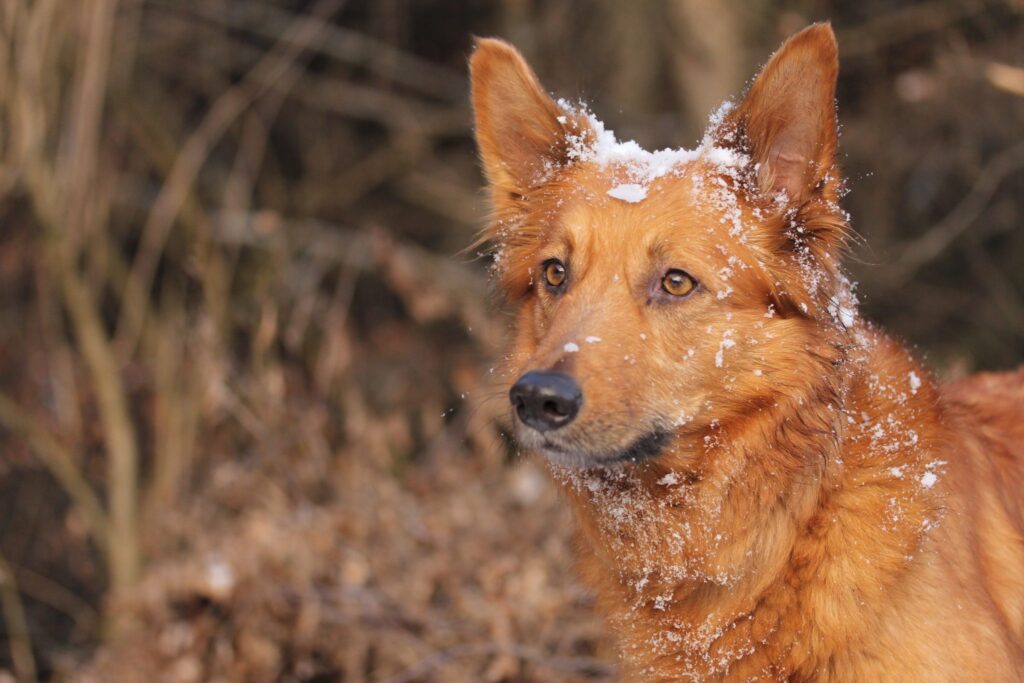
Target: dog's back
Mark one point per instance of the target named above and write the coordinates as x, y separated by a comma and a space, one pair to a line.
992, 406
988, 413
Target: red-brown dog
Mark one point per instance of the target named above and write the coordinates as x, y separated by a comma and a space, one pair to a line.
766, 486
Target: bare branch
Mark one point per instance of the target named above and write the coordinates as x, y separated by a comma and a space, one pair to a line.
59, 462
931, 244
274, 66
19, 639
343, 44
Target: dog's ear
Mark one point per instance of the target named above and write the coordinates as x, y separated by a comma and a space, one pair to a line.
787, 124
521, 133
787, 120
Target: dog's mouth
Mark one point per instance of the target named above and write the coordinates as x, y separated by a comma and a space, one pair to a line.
645, 447
648, 446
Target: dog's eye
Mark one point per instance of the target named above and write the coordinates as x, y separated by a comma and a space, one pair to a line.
554, 273
678, 283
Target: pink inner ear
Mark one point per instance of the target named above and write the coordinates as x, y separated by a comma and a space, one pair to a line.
790, 169
789, 114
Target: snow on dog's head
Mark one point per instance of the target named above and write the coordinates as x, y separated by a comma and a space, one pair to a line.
636, 165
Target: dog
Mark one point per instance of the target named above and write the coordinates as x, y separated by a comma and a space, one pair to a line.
766, 486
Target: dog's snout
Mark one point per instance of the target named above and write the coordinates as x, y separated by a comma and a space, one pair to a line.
546, 400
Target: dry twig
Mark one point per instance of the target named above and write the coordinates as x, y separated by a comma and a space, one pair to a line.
19, 640
924, 249
271, 70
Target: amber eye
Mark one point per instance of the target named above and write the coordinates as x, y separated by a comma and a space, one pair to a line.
554, 273
678, 283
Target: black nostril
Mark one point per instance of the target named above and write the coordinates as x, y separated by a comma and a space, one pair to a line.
520, 406
553, 409
546, 400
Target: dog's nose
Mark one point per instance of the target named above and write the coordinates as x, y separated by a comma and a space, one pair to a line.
546, 400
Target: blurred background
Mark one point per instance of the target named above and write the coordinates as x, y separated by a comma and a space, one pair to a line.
249, 427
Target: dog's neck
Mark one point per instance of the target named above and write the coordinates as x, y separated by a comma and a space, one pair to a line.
721, 556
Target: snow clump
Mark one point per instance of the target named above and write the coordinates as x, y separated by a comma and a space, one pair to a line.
642, 166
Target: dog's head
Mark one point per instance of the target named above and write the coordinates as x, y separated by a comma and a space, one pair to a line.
661, 295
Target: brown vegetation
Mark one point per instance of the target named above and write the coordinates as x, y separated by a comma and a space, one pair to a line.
246, 420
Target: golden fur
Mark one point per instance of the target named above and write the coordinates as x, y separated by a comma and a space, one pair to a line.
820, 508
